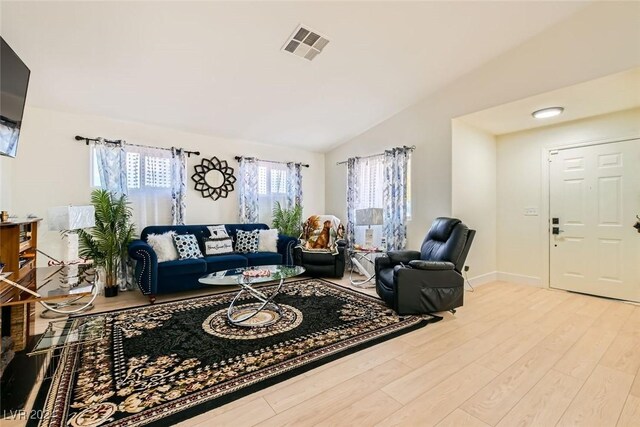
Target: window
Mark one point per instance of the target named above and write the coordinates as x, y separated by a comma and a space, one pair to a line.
143, 171
370, 179
149, 174
271, 180
272, 188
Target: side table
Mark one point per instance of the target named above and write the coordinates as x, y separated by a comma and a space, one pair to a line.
364, 261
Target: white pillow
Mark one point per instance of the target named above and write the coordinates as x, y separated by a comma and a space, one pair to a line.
268, 240
163, 245
218, 246
218, 231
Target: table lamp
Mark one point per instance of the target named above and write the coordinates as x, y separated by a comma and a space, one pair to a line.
369, 217
67, 219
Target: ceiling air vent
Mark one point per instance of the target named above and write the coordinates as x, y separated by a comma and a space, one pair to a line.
305, 43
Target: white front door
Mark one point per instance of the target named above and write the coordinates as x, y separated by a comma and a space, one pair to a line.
594, 198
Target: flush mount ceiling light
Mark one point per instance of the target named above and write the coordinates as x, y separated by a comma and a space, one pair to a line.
547, 112
305, 43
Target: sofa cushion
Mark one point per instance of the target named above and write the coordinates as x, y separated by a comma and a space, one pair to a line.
247, 241
264, 258
268, 240
218, 231
225, 262
163, 245
182, 266
187, 246
218, 246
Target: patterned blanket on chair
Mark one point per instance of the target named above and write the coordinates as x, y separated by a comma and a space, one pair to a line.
320, 233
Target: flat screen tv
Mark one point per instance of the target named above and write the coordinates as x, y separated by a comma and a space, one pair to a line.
14, 79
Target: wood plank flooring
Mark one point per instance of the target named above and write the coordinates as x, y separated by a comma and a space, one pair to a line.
512, 356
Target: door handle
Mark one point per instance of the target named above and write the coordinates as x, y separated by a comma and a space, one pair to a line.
556, 230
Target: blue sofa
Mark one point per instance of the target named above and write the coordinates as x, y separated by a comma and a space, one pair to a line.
174, 276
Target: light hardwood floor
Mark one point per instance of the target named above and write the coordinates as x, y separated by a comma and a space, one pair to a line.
512, 356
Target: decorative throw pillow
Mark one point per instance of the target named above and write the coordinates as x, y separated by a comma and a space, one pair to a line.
187, 246
163, 246
268, 240
247, 241
218, 245
218, 231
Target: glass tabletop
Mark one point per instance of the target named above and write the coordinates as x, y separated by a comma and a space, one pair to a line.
235, 275
71, 279
58, 283
69, 332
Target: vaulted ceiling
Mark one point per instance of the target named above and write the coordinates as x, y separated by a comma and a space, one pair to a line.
217, 67
616, 92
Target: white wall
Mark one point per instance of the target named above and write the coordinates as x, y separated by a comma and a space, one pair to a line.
521, 180
473, 195
6, 171
52, 169
599, 40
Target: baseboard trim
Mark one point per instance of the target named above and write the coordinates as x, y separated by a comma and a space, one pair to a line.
520, 279
483, 279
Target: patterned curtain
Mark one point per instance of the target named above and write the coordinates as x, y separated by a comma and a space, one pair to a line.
112, 166
395, 197
294, 184
353, 191
248, 190
179, 185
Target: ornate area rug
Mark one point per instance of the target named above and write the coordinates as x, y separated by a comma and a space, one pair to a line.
163, 363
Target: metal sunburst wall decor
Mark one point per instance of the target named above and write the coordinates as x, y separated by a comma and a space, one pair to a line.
214, 178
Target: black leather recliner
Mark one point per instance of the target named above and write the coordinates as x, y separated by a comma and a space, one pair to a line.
428, 281
322, 264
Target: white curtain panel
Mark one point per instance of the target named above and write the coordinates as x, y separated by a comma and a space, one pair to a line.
365, 181
294, 185
396, 163
247, 190
178, 186
112, 166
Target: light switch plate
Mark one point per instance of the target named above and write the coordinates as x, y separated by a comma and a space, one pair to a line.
531, 211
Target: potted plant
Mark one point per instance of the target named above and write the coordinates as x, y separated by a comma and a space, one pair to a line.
287, 221
106, 243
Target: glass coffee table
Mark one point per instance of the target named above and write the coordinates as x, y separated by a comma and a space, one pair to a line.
71, 334
264, 313
61, 290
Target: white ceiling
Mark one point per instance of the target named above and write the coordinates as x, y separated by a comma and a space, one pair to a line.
620, 91
217, 68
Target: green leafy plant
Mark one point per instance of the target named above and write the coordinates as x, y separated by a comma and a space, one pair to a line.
287, 221
106, 243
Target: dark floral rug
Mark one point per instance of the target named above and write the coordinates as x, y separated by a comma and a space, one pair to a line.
163, 363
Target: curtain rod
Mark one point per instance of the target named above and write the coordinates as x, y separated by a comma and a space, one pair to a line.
273, 161
119, 142
344, 162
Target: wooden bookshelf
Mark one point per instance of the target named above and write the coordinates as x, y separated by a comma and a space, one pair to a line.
18, 251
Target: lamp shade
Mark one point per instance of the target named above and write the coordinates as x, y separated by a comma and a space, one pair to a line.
71, 217
369, 216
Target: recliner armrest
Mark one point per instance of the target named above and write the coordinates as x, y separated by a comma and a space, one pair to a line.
404, 257
285, 248
431, 265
